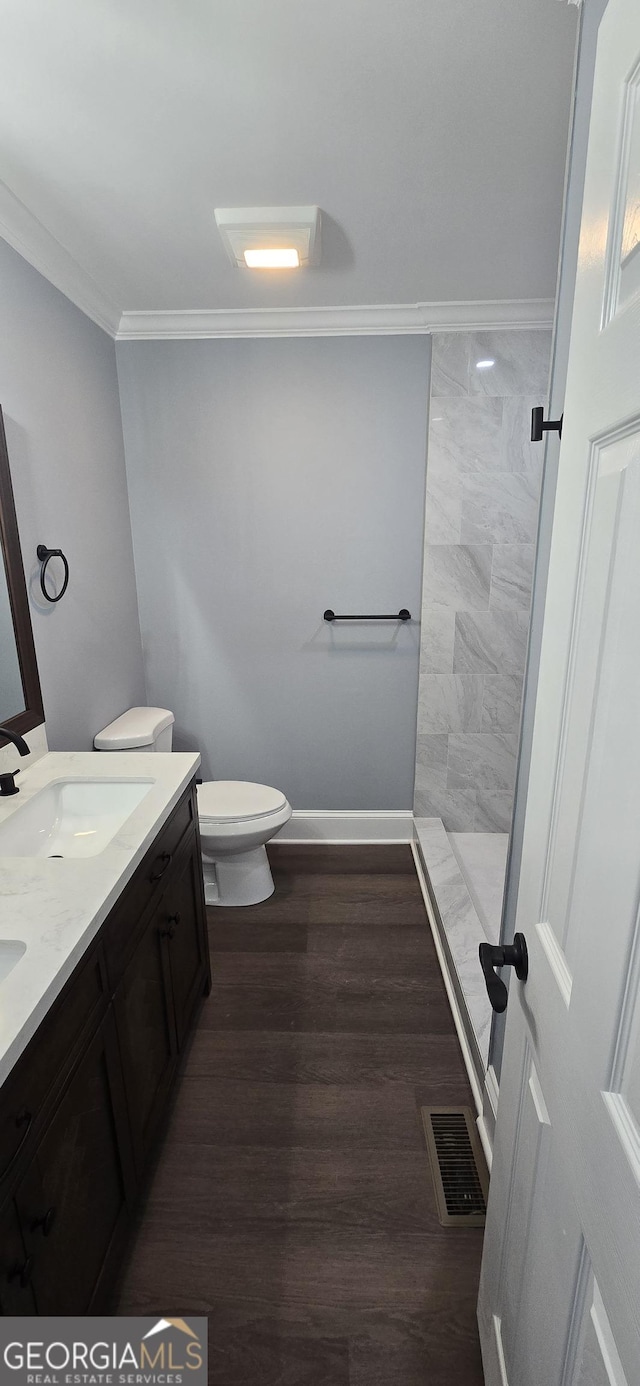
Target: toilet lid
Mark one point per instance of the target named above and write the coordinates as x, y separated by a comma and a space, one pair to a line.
222, 800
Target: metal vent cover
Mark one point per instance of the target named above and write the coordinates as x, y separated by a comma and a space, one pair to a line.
458, 1167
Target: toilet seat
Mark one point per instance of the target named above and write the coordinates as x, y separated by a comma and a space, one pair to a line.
237, 818
237, 801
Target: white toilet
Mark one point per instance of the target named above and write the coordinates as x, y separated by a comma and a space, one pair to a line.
236, 817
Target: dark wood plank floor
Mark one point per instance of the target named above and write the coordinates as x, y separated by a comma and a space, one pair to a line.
292, 1201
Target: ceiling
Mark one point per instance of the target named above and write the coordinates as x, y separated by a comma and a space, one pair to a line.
432, 133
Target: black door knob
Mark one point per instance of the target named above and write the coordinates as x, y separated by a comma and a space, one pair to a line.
540, 425
503, 955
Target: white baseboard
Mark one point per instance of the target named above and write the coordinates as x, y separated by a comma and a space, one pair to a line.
453, 1000
348, 826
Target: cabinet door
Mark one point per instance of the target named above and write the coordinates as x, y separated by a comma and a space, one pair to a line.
74, 1199
146, 1032
16, 1267
186, 930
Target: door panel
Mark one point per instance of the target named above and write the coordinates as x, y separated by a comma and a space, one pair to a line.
595, 1360
623, 256
527, 1283
559, 1301
608, 502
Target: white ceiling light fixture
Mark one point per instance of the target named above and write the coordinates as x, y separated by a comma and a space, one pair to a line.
270, 237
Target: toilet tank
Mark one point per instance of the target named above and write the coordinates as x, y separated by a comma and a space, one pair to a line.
139, 729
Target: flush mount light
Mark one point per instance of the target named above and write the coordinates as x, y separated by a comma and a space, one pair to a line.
270, 237
485, 365
286, 258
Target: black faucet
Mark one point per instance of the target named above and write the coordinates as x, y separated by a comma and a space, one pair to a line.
8, 782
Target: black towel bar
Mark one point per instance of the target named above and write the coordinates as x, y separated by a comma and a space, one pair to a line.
401, 615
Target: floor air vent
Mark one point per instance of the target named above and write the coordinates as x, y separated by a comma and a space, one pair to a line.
457, 1165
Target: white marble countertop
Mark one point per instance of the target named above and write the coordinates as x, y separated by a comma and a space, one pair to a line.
56, 906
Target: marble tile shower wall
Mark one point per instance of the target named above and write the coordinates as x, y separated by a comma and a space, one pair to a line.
483, 487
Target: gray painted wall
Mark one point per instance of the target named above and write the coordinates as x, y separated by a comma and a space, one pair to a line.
59, 394
269, 480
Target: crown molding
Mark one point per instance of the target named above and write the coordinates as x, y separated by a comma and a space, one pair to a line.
26, 234
378, 320
22, 230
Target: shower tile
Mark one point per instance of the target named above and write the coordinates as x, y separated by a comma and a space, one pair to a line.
501, 701
499, 508
450, 364
486, 761
443, 517
436, 640
454, 901
456, 806
458, 575
482, 858
520, 453
450, 703
431, 763
512, 576
483, 482
490, 643
466, 435
521, 360
493, 813
460, 921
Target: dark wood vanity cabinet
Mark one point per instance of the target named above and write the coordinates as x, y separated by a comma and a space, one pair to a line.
80, 1113
145, 1025
186, 943
15, 1265
74, 1200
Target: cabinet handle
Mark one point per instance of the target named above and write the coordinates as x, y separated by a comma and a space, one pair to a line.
172, 921
165, 858
45, 1222
22, 1273
23, 1118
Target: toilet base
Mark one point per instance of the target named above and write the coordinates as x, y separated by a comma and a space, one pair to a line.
238, 878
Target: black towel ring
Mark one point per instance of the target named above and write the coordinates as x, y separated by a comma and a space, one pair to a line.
44, 554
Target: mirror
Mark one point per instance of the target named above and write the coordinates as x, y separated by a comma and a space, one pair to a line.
20, 696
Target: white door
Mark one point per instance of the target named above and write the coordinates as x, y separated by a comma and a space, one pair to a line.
560, 1288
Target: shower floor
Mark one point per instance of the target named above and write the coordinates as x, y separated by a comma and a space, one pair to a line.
482, 858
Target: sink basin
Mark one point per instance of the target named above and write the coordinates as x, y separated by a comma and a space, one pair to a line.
11, 951
71, 818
